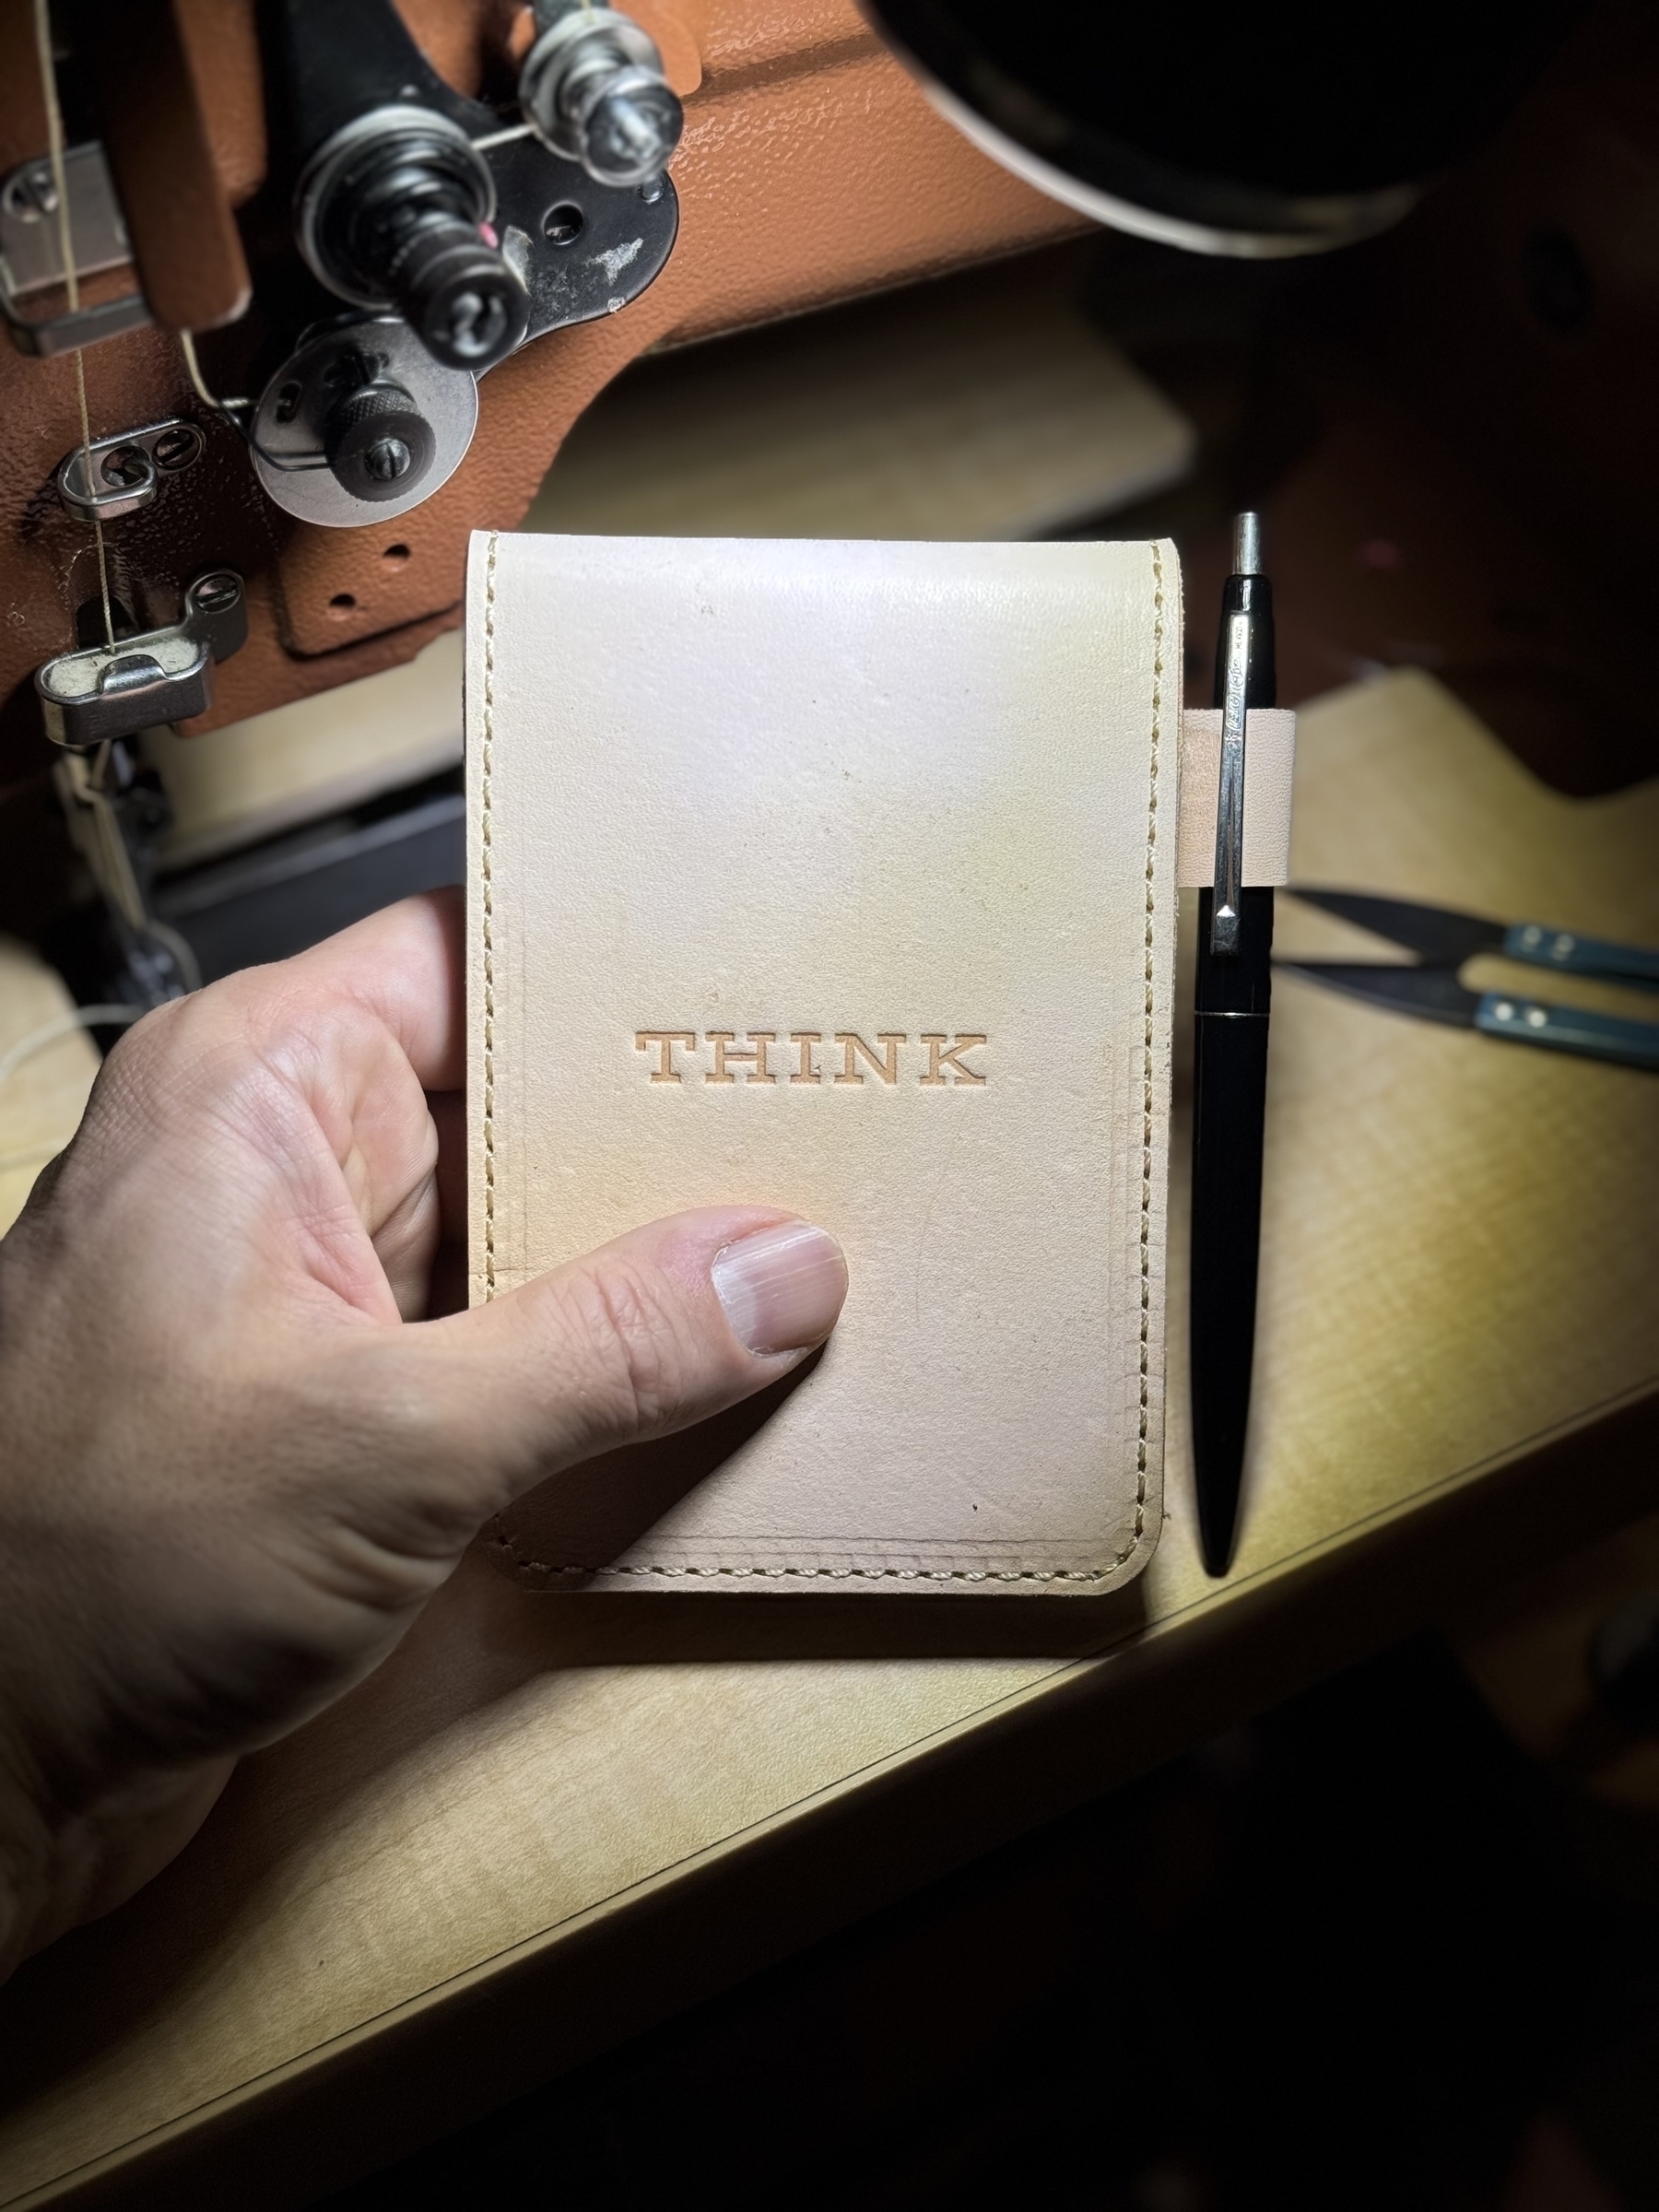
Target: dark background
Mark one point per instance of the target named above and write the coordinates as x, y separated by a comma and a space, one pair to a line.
1375, 1959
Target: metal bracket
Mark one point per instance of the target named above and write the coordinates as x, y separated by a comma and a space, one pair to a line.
116, 475
101, 692
31, 259
580, 249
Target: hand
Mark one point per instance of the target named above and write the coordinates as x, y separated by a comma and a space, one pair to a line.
234, 1460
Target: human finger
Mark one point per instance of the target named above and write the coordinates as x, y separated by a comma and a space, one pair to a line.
663, 1327
405, 966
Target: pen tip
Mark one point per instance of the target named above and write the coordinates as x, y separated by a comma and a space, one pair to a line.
1218, 1525
1247, 544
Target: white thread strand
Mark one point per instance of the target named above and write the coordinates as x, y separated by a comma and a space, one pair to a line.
65, 1025
60, 184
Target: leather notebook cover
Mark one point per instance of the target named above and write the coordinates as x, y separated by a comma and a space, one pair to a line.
840, 876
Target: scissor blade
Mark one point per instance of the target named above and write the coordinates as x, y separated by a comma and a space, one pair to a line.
1435, 993
1434, 932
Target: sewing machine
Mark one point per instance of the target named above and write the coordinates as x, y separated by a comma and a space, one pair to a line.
300, 294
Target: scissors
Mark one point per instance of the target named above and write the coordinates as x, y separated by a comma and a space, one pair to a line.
1444, 939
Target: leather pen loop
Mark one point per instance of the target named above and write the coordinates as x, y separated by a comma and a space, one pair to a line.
1230, 797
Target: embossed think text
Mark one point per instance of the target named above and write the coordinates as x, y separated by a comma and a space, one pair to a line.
937, 1059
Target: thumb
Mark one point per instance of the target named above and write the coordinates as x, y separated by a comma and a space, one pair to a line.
662, 1328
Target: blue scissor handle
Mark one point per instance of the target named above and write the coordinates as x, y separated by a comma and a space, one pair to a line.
1569, 954
1569, 1029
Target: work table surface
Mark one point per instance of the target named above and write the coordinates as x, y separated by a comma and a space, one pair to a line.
549, 1820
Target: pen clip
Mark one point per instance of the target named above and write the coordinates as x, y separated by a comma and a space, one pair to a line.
1230, 795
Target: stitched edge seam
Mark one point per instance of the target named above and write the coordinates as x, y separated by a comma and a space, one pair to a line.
840, 1574
1146, 1221
911, 1574
489, 877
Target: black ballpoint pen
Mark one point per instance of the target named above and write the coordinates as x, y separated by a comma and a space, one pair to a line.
1229, 1076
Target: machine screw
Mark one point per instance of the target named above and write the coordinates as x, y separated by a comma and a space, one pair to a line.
32, 195
216, 593
386, 460
125, 467
631, 130
179, 447
593, 87
473, 324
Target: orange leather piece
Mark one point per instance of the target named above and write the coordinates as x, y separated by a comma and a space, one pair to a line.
222, 41
185, 243
22, 111
676, 41
751, 39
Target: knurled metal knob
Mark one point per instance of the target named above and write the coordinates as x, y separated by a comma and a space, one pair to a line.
378, 442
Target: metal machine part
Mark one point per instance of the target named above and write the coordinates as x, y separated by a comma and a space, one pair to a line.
102, 693
376, 440
581, 250
116, 813
411, 199
119, 474
32, 260
593, 87
392, 211
924, 214
327, 433
360, 424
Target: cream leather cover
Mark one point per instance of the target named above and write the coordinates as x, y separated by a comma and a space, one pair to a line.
840, 876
